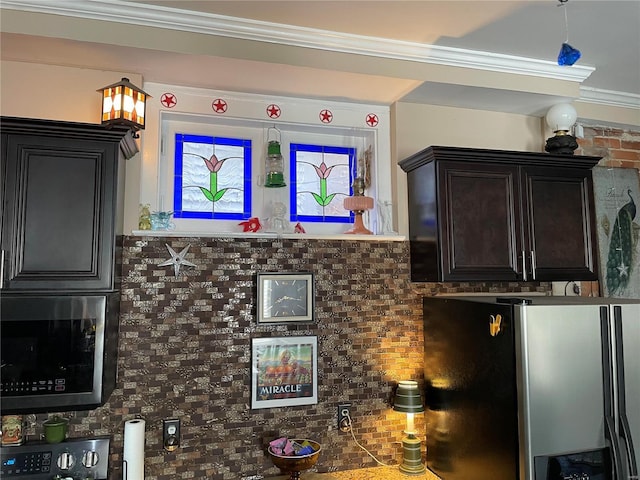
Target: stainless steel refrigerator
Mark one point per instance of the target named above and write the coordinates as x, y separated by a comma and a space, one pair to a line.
536, 388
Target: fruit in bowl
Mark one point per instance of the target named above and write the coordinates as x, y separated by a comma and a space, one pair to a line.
294, 464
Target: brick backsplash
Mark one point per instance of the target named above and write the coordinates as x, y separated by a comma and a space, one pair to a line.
618, 147
184, 352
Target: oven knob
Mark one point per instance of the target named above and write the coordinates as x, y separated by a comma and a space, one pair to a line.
66, 461
90, 459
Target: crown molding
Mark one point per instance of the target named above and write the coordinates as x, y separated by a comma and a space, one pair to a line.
246, 29
609, 98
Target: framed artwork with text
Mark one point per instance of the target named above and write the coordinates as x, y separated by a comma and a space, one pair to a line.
284, 371
617, 194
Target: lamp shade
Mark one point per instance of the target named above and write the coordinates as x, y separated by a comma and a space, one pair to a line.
124, 104
407, 398
561, 117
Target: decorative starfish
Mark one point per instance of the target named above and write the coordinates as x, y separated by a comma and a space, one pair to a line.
177, 259
623, 269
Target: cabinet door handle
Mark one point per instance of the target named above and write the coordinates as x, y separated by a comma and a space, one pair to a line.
533, 264
1, 268
524, 267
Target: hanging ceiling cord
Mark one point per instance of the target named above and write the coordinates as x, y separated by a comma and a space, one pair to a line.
563, 3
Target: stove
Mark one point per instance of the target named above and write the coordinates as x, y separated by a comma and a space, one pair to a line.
73, 459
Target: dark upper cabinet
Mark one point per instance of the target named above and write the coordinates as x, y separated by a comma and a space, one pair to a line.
59, 196
491, 215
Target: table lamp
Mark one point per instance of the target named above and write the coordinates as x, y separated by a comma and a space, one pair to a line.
408, 400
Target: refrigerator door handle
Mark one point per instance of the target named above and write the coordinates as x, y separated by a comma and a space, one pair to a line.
625, 433
623, 422
610, 433
609, 391
2, 268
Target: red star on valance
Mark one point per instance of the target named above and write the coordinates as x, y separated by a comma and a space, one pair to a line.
273, 111
219, 105
372, 120
169, 100
326, 116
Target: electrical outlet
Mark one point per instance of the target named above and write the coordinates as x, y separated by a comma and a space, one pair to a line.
344, 417
171, 434
566, 289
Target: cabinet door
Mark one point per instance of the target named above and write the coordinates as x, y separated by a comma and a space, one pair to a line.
58, 226
560, 224
480, 219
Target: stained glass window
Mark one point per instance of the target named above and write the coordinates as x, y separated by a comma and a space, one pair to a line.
212, 177
321, 178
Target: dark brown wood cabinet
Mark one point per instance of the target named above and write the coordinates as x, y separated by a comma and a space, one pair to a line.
59, 197
492, 215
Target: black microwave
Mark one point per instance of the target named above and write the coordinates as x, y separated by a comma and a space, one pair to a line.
58, 352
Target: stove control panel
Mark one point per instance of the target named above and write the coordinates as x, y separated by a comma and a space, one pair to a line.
77, 458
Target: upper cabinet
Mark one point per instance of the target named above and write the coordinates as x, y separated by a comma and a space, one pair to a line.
491, 215
59, 204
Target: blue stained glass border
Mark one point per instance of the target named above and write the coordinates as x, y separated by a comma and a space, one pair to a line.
178, 211
296, 147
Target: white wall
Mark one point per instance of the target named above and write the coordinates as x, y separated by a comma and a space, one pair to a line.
69, 93
56, 92
419, 126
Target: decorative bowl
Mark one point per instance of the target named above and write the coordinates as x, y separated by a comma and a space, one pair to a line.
294, 464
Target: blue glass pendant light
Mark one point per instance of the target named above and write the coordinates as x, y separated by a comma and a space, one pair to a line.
568, 55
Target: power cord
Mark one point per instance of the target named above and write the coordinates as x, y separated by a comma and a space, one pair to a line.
576, 288
350, 425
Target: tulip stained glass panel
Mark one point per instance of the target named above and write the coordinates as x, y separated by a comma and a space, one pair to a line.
321, 177
212, 178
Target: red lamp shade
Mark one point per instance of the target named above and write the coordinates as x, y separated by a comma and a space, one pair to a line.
124, 104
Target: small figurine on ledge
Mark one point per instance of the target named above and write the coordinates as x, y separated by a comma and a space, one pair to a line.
144, 221
252, 225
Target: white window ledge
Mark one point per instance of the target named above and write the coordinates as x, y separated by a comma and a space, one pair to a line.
173, 233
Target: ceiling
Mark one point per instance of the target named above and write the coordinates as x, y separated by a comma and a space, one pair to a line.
369, 51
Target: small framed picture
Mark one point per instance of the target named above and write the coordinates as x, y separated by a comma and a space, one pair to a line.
284, 371
285, 297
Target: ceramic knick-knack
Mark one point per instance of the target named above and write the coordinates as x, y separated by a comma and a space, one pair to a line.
144, 222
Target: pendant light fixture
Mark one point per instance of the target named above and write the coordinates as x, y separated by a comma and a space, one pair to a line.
568, 55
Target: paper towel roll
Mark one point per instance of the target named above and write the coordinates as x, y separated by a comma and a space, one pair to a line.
133, 456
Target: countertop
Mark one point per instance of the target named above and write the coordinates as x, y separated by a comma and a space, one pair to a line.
375, 473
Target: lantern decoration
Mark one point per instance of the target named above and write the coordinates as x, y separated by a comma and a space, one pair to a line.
358, 202
561, 118
124, 104
274, 164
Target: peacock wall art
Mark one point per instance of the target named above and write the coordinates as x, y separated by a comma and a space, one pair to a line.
617, 194
623, 240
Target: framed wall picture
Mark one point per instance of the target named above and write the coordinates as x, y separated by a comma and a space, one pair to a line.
285, 297
284, 371
617, 194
